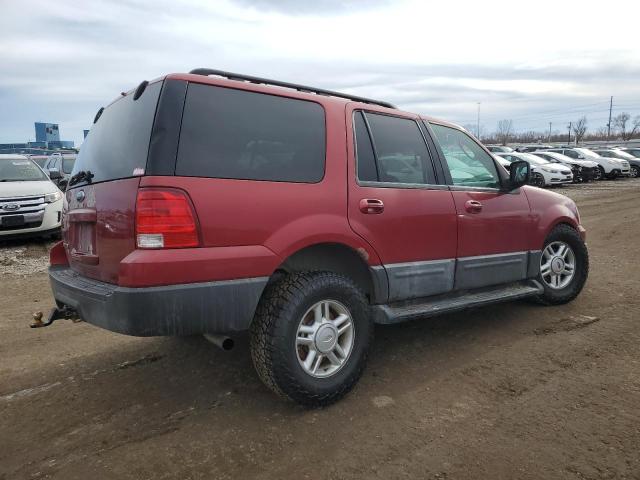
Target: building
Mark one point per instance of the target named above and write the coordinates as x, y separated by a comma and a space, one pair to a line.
47, 132
47, 141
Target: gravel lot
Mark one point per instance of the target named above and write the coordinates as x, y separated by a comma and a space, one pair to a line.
510, 391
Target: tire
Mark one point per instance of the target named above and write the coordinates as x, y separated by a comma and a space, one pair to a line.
635, 171
537, 180
283, 310
597, 174
603, 175
560, 294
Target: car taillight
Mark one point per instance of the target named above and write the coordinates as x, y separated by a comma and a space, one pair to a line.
165, 219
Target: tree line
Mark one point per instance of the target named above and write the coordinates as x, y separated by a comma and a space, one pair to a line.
623, 127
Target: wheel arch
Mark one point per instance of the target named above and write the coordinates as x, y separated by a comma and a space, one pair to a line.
341, 259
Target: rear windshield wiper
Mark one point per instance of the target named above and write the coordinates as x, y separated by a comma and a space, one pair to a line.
81, 176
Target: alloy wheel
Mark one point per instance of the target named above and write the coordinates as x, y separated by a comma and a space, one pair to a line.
537, 180
325, 338
557, 265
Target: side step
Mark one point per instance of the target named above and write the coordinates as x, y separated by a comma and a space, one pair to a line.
454, 302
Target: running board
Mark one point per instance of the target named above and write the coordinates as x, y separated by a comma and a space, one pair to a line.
454, 302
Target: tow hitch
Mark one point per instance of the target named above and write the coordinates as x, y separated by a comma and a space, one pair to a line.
64, 313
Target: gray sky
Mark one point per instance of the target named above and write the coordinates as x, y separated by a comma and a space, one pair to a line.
533, 62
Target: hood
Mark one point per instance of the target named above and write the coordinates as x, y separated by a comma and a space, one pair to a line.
556, 166
586, 163
26, 189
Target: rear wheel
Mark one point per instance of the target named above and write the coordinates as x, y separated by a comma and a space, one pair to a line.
564, 266
310, 337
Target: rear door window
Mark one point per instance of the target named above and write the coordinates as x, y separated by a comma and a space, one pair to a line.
400, 150
365, 157
228, 133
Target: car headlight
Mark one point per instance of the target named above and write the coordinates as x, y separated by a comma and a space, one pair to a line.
52, 197
549, 170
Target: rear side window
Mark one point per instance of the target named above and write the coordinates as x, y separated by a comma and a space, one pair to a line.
400, 150
236, 134
118, 144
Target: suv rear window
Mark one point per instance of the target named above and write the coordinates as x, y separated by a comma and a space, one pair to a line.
118, 142
236, 134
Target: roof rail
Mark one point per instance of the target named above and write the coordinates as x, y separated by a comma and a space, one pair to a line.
295, 86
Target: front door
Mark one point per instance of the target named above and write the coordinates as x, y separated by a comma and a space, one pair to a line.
494, 226
398, 205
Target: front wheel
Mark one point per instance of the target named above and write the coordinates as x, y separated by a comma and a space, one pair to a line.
564, 266
310, 337
537, 180
635, 171
602, 174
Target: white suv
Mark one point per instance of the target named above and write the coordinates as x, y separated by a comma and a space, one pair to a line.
30, 204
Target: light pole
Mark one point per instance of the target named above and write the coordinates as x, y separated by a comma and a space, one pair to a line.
478, 128
549, 132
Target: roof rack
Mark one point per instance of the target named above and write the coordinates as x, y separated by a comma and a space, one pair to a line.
295, 86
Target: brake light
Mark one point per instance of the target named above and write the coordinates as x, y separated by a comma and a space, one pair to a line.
165, 219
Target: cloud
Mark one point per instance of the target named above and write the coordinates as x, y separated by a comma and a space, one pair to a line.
317, 7
65, 59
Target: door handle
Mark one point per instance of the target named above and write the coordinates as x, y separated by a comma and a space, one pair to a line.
473, 206
371, 206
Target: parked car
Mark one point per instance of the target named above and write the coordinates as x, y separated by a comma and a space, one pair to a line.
609, 167
629, 162
213, 203
543, 172
583, 170
532, 148
503, 162
499, 149
30, 204
62, 165
41, 160
635, 151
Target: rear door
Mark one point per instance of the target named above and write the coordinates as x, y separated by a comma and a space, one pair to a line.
494, 227
98, 216
399, 205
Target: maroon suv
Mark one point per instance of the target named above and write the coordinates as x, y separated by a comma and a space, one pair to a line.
212, 203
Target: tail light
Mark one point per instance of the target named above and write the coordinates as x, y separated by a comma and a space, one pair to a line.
165, 219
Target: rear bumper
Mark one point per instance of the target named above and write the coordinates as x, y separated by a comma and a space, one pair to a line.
186, 309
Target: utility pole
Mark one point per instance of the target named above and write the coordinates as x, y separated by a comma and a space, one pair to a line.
569, 127
549, 132
609, 124
478, 128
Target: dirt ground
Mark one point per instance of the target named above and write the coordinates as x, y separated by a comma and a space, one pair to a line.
509, 391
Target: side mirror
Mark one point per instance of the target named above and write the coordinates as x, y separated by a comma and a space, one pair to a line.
518, 174
54, 174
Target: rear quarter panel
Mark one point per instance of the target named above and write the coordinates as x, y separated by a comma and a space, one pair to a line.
278, 217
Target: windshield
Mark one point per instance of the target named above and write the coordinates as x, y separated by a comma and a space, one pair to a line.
20, 170
67, 164
586, 152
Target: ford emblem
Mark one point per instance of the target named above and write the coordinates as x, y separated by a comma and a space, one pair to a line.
80, 195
